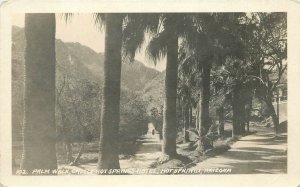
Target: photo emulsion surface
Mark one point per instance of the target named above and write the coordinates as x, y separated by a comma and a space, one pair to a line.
149, 93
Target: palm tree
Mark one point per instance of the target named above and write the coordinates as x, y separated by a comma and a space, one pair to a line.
121, 43
184, 103
204, 106
169, 114
108, 156
39, 132
185, 93
207, 44
108, 147
164, 30
165, 43
198, 47
199, 31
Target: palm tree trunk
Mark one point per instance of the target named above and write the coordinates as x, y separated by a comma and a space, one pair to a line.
182, 115
236, 131
205, 99
248, 109
108, 147
204, 144
197, 116
169, 117
186, 123
39, 133
220, 113
191, 116
247, 119
242, 116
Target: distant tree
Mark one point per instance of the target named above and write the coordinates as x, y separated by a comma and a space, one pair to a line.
156, 117
260, 69
134, 117
268, 48
65, 121
78, 108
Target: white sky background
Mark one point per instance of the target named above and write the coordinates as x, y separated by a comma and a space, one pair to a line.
81, 28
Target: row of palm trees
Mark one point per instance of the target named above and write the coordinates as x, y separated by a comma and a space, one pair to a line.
39, 121
205, 39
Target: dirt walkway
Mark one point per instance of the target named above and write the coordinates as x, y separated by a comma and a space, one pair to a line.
257, 153
147, 153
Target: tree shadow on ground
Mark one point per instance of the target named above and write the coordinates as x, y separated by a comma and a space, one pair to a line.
262, 153
277, 140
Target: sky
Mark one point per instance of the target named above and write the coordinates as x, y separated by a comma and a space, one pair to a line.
81, 28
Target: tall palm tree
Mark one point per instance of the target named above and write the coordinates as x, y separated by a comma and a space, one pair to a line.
165, 43
39, 132
121, 43
204, 106
164, 30
108, 156
169, 113
108, 147
184, 27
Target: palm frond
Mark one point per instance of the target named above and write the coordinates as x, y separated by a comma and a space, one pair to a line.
157, 47
194, 132
135, 27
66, 16
149, 22
99, 20
133, 36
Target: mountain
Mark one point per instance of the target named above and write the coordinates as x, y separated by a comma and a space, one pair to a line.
87, 63
154, 92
